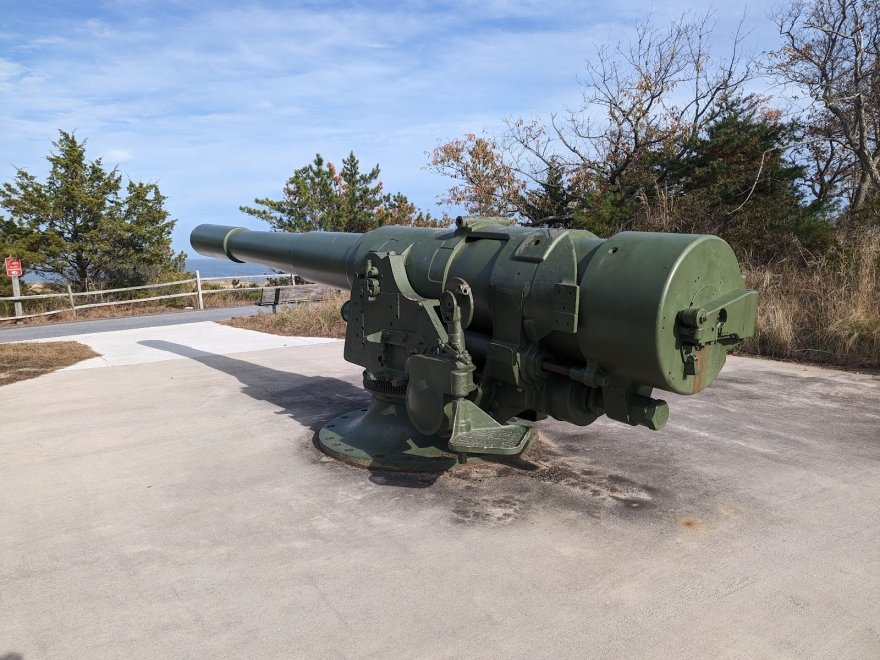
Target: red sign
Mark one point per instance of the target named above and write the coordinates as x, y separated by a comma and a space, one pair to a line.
13, 267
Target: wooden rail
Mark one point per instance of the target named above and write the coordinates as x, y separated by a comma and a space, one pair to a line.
198, 293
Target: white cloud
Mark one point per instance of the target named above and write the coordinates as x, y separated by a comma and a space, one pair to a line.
113, 157
10, 70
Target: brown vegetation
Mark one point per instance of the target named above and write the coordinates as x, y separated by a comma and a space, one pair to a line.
315, 318
827, 313
20, 361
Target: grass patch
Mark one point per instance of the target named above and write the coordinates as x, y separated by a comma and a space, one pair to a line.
20, 361
826, 314
314, 318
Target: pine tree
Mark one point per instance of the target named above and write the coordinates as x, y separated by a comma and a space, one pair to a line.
551, 202
77, 225
736, 181
320, 197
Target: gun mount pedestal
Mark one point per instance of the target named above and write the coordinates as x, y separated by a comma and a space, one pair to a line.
383, 437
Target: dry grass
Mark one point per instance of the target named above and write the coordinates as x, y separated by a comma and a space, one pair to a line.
20, 361
827, 314
315, 318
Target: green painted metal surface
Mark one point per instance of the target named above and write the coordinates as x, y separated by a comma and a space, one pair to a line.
467, 328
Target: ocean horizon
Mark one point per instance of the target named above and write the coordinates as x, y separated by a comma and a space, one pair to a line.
208, 267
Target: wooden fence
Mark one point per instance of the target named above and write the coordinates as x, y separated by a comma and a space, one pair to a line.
198, 293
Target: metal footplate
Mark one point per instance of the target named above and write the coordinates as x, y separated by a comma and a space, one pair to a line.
503, 441
475, 432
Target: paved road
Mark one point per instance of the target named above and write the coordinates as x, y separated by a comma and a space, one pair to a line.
179, 508
53, 330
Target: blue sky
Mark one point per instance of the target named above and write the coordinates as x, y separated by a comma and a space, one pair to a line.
218, 102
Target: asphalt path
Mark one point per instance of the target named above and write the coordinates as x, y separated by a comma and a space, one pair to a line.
53, 330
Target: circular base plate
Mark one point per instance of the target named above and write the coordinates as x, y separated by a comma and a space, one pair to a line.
382, 437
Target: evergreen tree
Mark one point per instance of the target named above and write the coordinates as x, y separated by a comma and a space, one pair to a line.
320, 197
735, 181
360, 196
78, 226
551, 202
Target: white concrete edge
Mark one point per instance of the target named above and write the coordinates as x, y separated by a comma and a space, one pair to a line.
173, 342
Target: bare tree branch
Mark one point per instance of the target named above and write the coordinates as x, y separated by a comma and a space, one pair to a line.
831, 54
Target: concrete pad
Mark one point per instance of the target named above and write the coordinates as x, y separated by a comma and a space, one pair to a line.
122, 347
179, 508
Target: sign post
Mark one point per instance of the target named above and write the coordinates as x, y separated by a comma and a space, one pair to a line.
13, 270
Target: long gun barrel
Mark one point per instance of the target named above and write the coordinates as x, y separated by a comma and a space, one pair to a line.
473, 325
317, 256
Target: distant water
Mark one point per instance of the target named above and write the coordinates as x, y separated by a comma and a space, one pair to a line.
223, 268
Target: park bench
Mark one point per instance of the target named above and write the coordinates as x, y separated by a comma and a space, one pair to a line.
279, 295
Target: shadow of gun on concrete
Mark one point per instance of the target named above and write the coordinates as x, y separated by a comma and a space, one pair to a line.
564, 468
310, 400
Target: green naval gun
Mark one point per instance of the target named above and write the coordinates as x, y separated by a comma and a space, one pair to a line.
469, 335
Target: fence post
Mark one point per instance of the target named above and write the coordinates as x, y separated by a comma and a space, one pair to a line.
70, 299
199, 290
16, 291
